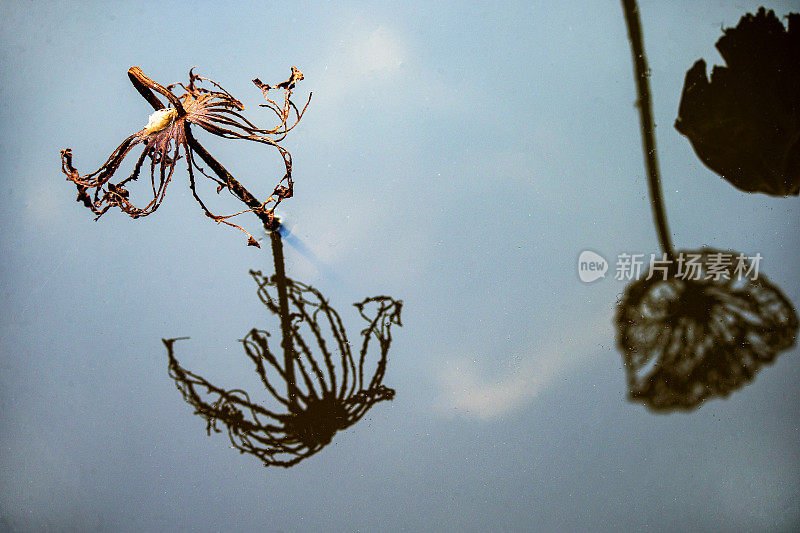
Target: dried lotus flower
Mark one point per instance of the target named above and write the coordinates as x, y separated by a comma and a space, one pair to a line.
167, 137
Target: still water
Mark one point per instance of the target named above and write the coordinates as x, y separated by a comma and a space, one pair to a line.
449, 364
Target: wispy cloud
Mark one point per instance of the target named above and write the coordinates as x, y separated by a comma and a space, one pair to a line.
365, 54
468, 388
380, 51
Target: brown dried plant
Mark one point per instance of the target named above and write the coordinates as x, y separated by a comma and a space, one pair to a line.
167, 138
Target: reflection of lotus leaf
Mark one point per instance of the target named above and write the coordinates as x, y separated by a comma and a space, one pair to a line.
327, 389
687, 340
745, 123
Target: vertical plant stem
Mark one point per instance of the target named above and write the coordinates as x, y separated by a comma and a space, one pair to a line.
645, 106
286, 325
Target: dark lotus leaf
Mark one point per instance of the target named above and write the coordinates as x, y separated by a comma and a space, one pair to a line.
687, 340
745, 123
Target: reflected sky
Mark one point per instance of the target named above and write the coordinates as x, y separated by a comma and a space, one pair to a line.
456, 156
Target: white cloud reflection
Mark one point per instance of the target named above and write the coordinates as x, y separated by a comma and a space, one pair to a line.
468, 389
380, 51
365, 54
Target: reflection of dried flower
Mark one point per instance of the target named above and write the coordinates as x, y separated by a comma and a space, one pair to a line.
329, 394
745, 124
167, 134
687, 340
